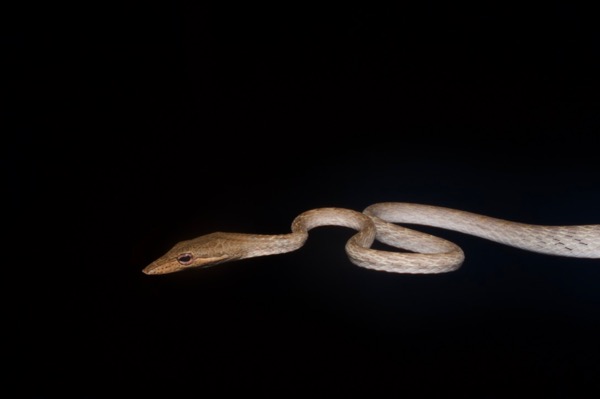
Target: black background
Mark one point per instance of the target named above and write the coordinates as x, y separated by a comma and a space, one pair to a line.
140, 126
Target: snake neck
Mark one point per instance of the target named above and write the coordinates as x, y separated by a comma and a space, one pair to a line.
262, 245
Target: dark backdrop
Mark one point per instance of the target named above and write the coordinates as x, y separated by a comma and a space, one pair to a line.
140, 126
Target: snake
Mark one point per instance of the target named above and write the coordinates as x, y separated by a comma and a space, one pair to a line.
419, 252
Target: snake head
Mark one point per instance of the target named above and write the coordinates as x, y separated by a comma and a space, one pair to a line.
204, 251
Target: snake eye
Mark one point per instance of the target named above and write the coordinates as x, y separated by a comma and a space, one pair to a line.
185, 259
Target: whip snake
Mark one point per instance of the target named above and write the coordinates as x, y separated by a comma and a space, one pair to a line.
428, 254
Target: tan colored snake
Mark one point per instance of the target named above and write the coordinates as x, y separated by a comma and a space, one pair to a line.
428, 254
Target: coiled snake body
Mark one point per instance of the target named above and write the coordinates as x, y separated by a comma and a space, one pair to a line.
428, 254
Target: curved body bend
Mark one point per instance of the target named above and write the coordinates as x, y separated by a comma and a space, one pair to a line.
428, 254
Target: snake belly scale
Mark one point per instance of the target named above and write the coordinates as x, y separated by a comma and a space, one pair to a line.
427, 253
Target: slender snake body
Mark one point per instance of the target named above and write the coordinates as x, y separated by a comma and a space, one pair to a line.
428, 254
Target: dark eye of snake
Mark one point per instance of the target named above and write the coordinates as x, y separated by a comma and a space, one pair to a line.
185, 259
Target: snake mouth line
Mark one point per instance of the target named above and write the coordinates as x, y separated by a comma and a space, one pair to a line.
172, 266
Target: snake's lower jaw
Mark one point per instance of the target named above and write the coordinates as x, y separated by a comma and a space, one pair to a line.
212, 261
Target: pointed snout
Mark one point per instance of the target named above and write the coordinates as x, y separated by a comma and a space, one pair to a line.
161, 266
150, 269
